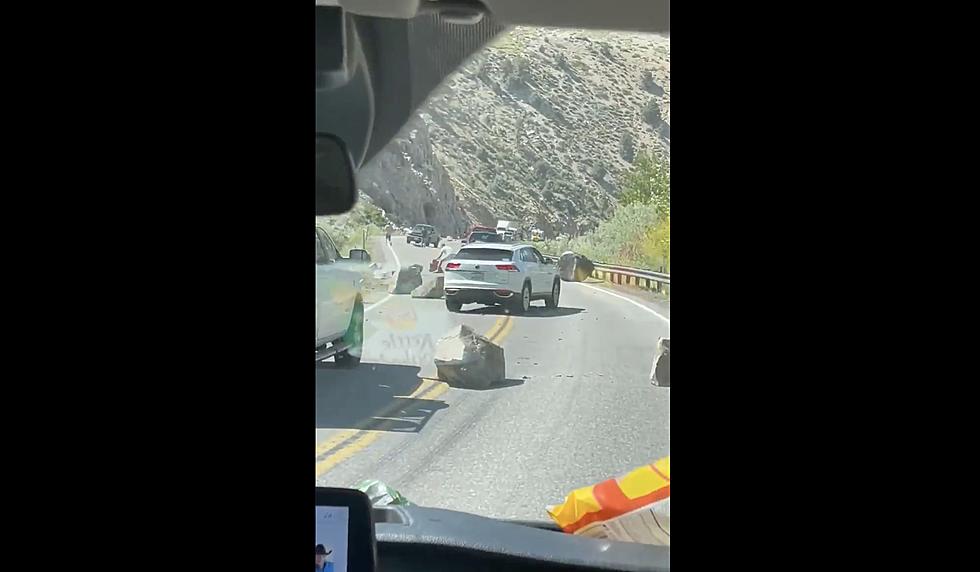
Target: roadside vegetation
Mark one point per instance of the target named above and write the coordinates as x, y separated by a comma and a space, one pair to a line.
347, 230
638, 232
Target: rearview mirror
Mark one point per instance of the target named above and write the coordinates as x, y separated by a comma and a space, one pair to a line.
335, 189
359, 254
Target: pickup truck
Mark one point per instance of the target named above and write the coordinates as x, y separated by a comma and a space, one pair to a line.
423, 234
339, 303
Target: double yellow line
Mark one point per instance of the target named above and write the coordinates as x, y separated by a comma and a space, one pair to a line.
345, 444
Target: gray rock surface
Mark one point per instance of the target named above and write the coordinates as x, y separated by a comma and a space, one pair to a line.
660, 376
574, 267
466, 359
539, 127
409, 278
431, 287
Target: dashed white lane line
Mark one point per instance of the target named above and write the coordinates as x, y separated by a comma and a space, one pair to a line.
398, 267
631, 301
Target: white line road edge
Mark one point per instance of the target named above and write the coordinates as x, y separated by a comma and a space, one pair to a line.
398, 267
630, 300
653, 368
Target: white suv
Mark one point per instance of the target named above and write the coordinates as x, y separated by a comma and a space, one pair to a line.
507, 274
339, 305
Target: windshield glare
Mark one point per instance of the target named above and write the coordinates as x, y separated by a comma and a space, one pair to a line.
561, 137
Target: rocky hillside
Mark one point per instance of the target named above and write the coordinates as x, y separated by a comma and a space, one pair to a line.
538, 127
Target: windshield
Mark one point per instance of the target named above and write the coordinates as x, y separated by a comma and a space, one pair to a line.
563, 137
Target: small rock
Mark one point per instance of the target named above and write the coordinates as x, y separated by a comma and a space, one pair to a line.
660, 375
408, 279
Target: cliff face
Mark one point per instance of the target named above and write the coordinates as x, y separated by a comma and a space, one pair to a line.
538, 127
408, 181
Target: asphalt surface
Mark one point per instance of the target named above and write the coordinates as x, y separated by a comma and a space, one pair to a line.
577, 406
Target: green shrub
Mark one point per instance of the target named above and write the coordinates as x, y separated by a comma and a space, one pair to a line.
638, 233
347, 229
648, 182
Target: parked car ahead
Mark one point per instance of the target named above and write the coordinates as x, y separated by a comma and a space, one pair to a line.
339, 304
507, 274
478, 229
483, 236
423, 234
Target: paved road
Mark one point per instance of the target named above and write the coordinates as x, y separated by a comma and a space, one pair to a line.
577, 406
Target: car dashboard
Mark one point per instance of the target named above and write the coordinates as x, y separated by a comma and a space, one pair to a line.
411, 538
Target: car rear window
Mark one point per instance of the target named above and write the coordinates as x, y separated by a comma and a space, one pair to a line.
484, 254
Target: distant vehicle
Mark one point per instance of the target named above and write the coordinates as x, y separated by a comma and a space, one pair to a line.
537, 235
483, 236
423, 234
507, 274
339, 304
503, 226
508, 230
477, 228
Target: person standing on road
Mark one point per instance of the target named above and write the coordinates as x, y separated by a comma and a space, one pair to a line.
446, 252
388, 233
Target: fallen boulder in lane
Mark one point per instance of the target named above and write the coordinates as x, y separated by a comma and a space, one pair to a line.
574, 267
430, 288
466, 359
409, 279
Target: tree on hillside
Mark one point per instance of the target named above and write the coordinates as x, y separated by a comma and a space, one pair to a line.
656, 244
648, 182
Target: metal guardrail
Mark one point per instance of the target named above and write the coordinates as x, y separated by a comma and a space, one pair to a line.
626, 274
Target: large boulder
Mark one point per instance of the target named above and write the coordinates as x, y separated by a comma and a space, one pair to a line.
660, 374
466, 359
574, 267
430, 288
408, 279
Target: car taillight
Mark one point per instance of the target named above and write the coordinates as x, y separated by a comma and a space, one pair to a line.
507, 267
452, 266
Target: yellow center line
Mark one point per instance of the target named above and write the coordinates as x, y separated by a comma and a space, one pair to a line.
364, 434
386, 411
504, 330
370, 436
335, 440
497, 324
